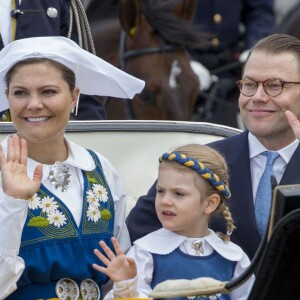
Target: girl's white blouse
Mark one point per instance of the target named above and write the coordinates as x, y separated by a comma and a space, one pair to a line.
164, 241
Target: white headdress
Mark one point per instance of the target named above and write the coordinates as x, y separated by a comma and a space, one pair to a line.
94, 76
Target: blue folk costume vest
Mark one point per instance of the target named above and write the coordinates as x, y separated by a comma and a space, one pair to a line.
179, 265
53, 252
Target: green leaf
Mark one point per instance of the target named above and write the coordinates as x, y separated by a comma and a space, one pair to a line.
91, 179
105, 214
38, 222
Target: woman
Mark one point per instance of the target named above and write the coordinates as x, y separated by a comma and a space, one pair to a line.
57, 199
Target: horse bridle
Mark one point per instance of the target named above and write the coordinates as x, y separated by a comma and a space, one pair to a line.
123, 54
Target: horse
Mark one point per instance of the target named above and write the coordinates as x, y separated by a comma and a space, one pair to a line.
149, 39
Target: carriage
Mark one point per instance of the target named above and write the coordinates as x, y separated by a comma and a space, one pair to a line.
125, 142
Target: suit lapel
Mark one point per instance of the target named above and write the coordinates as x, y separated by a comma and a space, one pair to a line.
292, 174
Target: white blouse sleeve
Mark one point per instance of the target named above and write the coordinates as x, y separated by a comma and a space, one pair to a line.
243, 291
13, 215
119, 196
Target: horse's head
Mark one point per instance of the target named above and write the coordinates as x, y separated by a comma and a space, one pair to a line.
153, 48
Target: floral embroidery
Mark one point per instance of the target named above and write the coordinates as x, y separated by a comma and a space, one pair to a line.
38, 222
92, 199
97, 194
100, 192
93, 213
105, 214
56, 218
49, 207
34, 202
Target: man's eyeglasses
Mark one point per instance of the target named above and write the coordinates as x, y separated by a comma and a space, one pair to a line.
272, 87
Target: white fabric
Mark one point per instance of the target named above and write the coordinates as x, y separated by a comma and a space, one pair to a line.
94, 76
13, 212
258, 161
244, 55
205, 78
164, 241
175, 240
5, 21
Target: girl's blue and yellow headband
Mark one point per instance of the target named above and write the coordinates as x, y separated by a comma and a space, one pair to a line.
200, 168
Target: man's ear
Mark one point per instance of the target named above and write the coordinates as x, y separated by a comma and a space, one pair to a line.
212, 203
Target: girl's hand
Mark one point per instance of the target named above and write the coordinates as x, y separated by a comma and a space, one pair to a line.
15, 181
118, 267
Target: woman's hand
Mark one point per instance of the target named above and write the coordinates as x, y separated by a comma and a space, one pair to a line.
118, 266
15, 181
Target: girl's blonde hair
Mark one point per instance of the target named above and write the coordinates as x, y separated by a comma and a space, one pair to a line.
215, 176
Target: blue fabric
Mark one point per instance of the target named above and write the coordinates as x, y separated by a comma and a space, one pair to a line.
51, 253
178, 265
36, 22
264, 193
256, 15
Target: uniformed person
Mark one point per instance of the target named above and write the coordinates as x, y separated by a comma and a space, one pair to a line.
234, 25
28, 18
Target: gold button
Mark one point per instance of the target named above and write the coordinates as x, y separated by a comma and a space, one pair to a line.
215, 42
217, 18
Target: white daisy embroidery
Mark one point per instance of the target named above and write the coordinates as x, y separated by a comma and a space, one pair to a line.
92, 198
34, 202
100, 192
93, 213
48, 205
56, 218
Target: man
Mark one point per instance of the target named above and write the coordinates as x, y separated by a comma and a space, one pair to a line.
235, 26
269, 104
28, 18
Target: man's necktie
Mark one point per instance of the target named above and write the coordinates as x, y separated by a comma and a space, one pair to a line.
264, 194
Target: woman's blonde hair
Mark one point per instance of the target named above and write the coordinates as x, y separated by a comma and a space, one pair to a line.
215, 176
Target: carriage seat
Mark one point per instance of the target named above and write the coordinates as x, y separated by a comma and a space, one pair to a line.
133, 146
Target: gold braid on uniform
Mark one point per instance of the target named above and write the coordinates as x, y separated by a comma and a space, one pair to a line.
200, 168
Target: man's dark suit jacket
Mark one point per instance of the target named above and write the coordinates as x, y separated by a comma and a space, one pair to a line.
142, 218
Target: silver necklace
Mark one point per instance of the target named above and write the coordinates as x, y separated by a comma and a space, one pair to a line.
197, 246
60, 176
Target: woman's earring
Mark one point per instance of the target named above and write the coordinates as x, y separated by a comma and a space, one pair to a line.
72, 110
77, 105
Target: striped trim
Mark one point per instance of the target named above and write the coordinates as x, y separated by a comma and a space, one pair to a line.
200, 168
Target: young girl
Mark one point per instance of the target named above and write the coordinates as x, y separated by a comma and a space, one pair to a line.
191, 188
